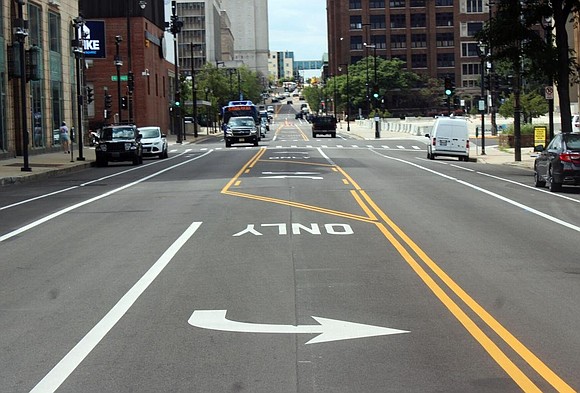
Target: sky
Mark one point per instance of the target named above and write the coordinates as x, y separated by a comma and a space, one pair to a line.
298, 26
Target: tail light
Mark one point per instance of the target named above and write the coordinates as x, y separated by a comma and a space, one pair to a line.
569, 157
434, 141
467, 144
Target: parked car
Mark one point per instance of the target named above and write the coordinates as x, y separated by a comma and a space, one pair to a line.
575, 123
299, 115
559, 163
119, 143
154, 142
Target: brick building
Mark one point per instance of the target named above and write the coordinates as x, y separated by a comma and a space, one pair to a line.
433, 37
143, 52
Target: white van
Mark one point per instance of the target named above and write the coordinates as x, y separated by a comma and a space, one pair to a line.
450, 138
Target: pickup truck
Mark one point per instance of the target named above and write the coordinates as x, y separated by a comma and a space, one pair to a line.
323, 125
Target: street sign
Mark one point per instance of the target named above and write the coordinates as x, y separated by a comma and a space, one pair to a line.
124, 78
327, 330
549, 92
540, 135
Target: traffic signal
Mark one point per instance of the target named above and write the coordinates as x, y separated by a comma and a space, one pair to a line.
124, 102
108, 101
449, 87
90, 95
177, 99
495, 82
486, 79
376, 91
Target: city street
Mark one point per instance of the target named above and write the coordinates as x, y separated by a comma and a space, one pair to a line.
301, 265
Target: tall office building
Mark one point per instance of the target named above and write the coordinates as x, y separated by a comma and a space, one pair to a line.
433, 37
250, 29
200, 39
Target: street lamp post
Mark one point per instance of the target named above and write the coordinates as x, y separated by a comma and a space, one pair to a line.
79, 57
118, 64
21, 33
483, 55
367, 25
130, 75
347, 95
194, 93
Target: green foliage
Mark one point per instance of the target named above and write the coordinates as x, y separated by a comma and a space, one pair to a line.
396, 85
526, 129
532, 105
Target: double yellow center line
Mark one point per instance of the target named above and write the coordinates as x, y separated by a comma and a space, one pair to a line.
428, 270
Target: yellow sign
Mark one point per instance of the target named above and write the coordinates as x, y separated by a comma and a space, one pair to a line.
539, 135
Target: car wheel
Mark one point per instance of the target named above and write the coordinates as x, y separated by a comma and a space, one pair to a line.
136, 160
228, 144
256, 142
553, 186
538, 182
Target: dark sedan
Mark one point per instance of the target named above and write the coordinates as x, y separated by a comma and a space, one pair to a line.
559, 163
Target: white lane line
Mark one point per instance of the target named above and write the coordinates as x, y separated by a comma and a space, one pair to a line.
490, 193
84, 184
530, 187
36, 223
71, 361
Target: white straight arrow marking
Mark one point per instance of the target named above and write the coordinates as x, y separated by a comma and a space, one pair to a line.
328, 330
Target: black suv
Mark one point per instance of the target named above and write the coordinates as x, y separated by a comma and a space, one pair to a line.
119, 143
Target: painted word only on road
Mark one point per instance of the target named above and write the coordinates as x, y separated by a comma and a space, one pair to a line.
296, 229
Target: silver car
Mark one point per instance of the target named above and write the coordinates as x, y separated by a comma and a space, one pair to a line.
154, 142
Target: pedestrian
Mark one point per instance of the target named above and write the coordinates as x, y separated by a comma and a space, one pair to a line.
64, 137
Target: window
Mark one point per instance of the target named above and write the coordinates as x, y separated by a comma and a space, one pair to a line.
398, 41
398, 21
418, 20
354, 4
355, 59
54, 32
377, 4
444, 19
378, 22
469, 49
444, 40
380, 41
473, 28
474, 6
445, 60
419, 60
356, 42
418, 3
401, 57
397, 3
418, 40
355, 22
471, 69
443, 3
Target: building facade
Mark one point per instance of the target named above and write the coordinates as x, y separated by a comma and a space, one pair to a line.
139, 58
49, 96
433, 37
200, 39
249, 20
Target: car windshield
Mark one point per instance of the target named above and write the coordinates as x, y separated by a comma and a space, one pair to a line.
109, 134
236, 122
573, 141
150, 132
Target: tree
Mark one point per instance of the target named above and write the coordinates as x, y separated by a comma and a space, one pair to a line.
533, 106
515, 33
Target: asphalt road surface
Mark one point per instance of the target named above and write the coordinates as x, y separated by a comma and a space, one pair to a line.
302, 265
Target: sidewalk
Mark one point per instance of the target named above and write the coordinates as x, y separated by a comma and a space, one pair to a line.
493, 154
52, 164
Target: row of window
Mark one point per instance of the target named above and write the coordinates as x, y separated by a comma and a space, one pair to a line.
397, 21
399, 41
471, 6
357, 4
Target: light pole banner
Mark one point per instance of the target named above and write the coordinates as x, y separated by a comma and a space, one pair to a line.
94, 39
